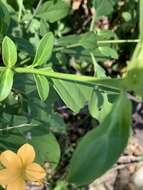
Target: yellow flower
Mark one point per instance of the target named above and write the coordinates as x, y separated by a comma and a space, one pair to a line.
20, 168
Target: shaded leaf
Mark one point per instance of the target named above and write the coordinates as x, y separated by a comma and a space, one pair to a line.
4, 19
101, 147
88, 40
108, 52
47, 148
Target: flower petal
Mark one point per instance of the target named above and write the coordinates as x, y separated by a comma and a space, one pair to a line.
7, 177
26, 153
10, 160
34, 172
18, 184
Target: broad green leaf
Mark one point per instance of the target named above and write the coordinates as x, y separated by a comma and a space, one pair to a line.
9, 52
53, 11
108, 52
44, 27
88, 40
47, 148
42, 84
73, 94
44, 50
4, 19
100, 148
56, 123
103, 7
6, 82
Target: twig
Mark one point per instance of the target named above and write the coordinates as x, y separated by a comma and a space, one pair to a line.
34, 14
19, 126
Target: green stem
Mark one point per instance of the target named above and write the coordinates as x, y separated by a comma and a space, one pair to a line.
94, 62
67, 47
118, 41
34, 14
88, 80
141, 20
18, 126
93, 23
99, 42
20, 10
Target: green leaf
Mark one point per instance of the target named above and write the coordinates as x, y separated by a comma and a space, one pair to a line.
4, 19
47, 148
68, 40
103, 7
101, 147
95, 102
42, 84
6, 82
53, 11
99, 106
44, 50
134, 78
88, 40
44, 27
109, 52
56, 123
9, 52
73, 94
106, 34
127, 16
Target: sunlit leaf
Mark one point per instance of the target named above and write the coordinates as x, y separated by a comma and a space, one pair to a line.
6, 82
9, 52
44, 50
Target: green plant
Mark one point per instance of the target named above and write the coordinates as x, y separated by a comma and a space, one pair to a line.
25, 118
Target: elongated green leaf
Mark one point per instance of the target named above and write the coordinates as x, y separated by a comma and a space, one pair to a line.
9, 52
53, 11
4, 19
101, 147
42, 86
44, 50
6, 82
